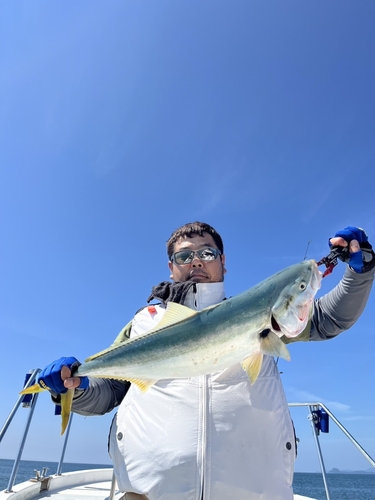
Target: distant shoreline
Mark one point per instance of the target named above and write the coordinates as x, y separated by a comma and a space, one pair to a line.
338, 471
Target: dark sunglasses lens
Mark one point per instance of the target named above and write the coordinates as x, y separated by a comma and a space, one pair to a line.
183, 257
207, 254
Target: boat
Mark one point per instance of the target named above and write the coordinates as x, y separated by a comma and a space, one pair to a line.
100, 484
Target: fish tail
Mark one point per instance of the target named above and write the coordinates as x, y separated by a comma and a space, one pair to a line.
33, 389
66, 403
66, 408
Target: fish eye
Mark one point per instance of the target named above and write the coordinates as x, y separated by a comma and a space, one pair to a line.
302, 286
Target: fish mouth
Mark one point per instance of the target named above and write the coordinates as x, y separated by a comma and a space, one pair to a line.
275, 325
316, 279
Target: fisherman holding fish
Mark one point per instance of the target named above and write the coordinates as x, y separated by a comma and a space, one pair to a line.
227, 433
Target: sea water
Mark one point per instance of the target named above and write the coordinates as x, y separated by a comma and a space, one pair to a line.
341, 486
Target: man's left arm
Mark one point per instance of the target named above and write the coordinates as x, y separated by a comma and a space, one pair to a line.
339, 309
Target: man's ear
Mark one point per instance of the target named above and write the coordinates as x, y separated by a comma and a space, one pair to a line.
223, 263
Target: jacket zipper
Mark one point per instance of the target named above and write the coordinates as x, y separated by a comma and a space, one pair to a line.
204, 437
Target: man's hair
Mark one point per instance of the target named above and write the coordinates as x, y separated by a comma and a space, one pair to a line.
190, 230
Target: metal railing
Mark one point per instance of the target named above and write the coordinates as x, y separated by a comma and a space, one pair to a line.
30, 403
318, 413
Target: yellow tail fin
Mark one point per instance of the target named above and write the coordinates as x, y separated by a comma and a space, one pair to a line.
33, 389
66, 403
66, 408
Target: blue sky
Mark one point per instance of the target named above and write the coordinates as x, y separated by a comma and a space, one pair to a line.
122, 120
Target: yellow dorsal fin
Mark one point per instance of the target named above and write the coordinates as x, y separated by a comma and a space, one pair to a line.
173, 314
274, 346
252, 365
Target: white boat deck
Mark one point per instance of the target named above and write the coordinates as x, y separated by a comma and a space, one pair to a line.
92, 484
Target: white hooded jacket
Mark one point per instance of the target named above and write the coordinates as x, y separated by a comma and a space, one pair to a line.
214, 437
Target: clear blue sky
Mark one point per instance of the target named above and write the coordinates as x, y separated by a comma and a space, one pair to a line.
122, 120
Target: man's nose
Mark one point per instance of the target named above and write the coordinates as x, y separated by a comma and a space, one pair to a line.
196, 262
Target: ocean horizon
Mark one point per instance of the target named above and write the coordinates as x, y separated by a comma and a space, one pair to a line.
343, 485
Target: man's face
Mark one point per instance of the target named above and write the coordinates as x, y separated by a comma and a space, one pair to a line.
198, 270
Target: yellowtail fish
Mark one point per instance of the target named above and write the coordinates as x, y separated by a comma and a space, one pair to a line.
188, 343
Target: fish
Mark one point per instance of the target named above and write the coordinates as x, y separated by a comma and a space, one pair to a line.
187, 343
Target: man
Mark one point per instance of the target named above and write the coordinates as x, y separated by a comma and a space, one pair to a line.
213, 437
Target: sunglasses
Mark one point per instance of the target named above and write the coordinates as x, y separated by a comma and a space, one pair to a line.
187, 256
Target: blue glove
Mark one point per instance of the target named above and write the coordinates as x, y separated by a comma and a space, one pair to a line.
50, 377
361, 261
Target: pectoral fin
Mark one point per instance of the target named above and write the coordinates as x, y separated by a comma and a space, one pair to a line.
271, 345
274, 346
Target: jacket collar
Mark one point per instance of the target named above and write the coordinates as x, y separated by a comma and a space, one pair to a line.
204, 295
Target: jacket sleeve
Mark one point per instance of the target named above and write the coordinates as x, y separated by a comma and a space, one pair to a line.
339, 309
101, 396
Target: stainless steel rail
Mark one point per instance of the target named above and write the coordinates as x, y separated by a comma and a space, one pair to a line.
31, 407
67, 432
313, 407
25, 432
17, 404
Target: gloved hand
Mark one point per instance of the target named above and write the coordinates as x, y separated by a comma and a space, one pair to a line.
362, 260
50, 377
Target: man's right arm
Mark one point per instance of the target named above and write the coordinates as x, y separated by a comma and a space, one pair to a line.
93, 396
100, 397
96, 396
